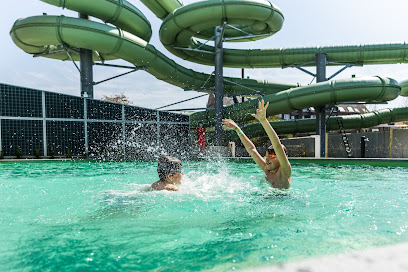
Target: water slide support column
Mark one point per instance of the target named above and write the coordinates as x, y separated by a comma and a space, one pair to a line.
86, 64
321, 62
219, 86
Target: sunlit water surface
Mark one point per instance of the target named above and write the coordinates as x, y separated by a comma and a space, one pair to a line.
88, 216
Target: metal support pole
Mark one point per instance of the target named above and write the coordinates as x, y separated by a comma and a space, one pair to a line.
219, 87
86, 64
363, 140
44, 123
391, 139
123, 132
158, 129
321, 62
1, 143
86, 143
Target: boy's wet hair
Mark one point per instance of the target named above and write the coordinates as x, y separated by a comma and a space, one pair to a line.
168, 166
272, 150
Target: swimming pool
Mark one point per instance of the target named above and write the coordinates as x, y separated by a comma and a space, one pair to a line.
87, 216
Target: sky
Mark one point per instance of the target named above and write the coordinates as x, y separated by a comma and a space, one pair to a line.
307, 23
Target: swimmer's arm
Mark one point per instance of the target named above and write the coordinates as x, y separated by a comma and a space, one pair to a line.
158, 186
277, 146
251, 149
171, 187
249, 146
260, 115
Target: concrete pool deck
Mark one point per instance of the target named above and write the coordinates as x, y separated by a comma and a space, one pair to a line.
389, 258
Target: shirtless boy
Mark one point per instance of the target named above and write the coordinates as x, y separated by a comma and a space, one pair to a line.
276, 164
170, 170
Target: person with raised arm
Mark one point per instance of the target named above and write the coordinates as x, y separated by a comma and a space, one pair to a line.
276, 164
200, 131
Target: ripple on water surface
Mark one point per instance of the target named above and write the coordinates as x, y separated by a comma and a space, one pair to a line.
103, 216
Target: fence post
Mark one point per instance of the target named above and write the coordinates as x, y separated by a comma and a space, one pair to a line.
232, 148
317, 146
123, 132
362, 146
391, 138
86, 126
44, 122
1, 144
158, 128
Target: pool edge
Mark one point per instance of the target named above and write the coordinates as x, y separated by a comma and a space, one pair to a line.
379, 162
352, 161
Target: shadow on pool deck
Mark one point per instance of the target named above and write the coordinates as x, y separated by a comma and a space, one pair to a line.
389, 258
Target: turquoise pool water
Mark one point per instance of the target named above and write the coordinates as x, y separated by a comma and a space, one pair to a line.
89, 216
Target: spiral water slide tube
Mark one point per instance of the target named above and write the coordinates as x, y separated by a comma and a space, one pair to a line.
52, 36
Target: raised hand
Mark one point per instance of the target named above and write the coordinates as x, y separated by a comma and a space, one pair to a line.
229, 124
261, 110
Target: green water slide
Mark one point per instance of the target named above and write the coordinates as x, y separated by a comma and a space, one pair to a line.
127, 34
404, 88
355, 121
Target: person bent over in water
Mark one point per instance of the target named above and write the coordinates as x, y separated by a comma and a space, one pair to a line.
276, 164
170, 170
